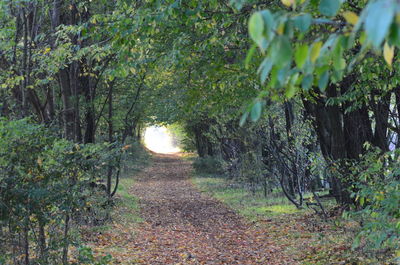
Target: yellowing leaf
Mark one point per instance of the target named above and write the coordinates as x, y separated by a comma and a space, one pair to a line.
47, 50
315, 51
280, 28
350, 17
388, 53
287, 2
126, 147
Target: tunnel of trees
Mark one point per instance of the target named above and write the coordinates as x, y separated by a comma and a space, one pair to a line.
300, 96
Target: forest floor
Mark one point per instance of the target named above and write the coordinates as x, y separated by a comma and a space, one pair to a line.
182, 225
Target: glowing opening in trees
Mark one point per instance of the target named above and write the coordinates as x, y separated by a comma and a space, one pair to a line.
158, 139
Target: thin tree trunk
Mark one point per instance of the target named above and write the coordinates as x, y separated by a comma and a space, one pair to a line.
89, 116
73, 78
42, 242
24, 63
110, 137
292, 178
50, 103
68, 116
66, 240
26, 243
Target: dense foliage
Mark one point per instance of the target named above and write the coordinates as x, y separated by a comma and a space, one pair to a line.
45, 183
282, 95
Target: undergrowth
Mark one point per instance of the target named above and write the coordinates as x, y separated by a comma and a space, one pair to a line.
125, 213
306, 236
135, 160
127, 203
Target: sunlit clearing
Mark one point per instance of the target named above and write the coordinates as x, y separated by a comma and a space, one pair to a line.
159, 140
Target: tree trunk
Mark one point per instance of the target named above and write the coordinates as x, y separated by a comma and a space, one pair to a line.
328, 123
68, 110
42, 242
110, 137
342, 133
26, 243
66, 241
68, 114
74, 78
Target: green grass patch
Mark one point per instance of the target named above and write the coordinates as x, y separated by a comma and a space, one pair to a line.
306, 236
252, 206
135, 159
128, 204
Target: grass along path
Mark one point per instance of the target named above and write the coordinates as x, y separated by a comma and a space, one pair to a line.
304, 236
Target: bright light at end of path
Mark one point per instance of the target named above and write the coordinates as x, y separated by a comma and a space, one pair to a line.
159, 140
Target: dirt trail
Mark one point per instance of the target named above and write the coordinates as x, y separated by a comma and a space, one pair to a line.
184, 226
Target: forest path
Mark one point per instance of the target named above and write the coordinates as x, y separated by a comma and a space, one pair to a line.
184, 226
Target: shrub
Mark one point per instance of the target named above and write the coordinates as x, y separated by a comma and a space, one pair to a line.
86, 256
377, 194
44, 186
209, 165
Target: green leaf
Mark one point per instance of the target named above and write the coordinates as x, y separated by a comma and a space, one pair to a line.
307, 82
283, 74
301, 55
288, 29
256, 28
265, 69
362, 201
329, 8
290, 91
323, 81
315, 51
238, 4
256, 111
249, 55
329, 44
243, 118
281, 51
269, 23
337, 76
338, 57
303, 22
394, 35
274, 77
379, 17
